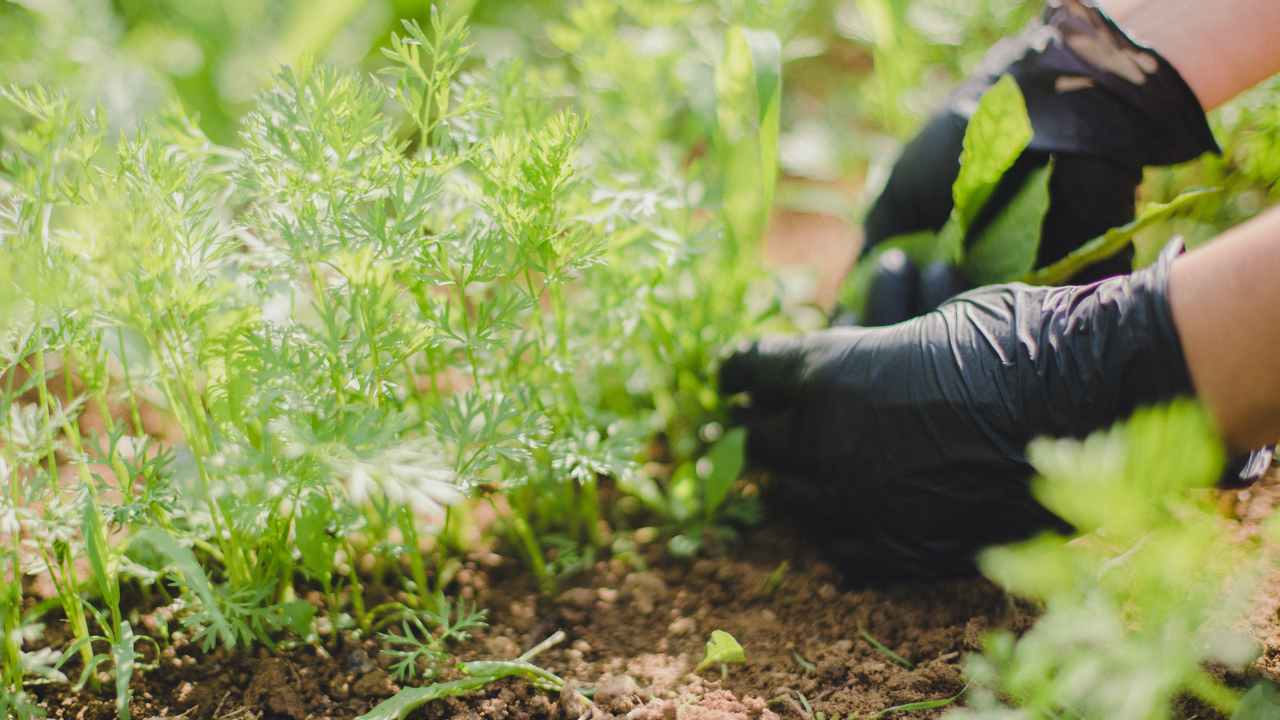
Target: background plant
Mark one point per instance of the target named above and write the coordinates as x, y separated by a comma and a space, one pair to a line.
240, 370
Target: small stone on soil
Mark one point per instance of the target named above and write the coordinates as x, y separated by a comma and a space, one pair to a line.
571, 703
656, 710
645, 590
682, 626
582, 598
374, 684
616, 692
502, 647
358, 662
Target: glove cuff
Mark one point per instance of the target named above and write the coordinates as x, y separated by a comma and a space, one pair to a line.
1092, 89
1158, 370
1181, 130
1111, 347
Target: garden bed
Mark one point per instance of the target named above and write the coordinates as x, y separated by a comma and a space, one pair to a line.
636, 627
632, 636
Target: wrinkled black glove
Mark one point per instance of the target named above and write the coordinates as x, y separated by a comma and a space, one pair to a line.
1100, 105
903, 448
900, 290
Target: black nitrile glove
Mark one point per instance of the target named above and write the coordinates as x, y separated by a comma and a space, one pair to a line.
900, 290
902, 448
1100, 105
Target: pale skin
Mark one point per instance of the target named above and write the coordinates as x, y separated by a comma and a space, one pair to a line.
1220, 47
1225, 295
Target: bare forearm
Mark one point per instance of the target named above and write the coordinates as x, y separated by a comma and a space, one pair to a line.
1225, 299
1220, 47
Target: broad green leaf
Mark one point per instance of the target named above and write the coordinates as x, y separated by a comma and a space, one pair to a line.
315, 544
1262, 702
1007, 247
726, 457
950, 241
183, 562
1114, 240
722, 649
748, 99
997, 134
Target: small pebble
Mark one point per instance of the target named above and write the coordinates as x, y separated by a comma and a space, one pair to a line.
682, 626
581, 598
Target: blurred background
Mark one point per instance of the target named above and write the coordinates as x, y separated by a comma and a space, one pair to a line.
860, 76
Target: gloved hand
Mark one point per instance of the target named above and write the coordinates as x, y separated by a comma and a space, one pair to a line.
900, 290
902, 448
1100, 105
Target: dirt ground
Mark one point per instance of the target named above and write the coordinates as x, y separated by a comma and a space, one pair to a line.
635, 629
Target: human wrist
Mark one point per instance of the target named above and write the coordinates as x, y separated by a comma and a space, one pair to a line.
1219, 48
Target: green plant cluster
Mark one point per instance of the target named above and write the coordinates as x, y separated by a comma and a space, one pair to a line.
232, 373
263, 335
1148, 593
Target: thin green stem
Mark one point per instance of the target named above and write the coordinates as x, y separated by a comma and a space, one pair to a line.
12, 601
357, 589
134, 414
589, 508
409, 528
1214, 693
528, 542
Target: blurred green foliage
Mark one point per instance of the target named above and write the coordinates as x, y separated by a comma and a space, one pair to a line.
1149, 590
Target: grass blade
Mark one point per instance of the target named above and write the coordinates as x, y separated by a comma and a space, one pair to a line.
918, 706
884, 650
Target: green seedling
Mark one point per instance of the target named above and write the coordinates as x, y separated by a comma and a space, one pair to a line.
391, 291
722, 650
421, 648
477, 675
774, 580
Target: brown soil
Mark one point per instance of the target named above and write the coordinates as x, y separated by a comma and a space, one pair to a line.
822, 244
635, 631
